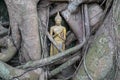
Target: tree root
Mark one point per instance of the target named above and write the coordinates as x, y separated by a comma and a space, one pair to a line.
9, 53
63, 66
58, 8
53, 42
9, 73
52, 59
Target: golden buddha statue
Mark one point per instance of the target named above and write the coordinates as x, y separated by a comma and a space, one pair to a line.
58, 32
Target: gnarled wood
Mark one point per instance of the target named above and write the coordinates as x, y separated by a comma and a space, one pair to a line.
52, 59
43, 17
24, 25
116, 24
99, 60
9, 73
9, 53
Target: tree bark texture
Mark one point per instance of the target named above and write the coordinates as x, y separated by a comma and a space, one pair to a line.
29, 23
116, 21
99, 60
24, 25
43, 17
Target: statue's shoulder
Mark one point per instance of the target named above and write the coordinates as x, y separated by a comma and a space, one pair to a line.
63, 27
53, 27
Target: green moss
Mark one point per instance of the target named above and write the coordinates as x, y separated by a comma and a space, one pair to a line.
4, 72
98, 59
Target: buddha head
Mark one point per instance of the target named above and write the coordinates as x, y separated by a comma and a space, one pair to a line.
58, 19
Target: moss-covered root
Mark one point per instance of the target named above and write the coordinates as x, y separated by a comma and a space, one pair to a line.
116, 20
99, 60
52, 59
9, 73
64, 66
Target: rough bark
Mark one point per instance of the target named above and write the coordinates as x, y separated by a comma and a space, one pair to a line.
64, 66
99, 60
24, 25
97, 64
43, 15
60, 7
75, 21
9, 73
116, 22
10, 52
52, 59
5, 41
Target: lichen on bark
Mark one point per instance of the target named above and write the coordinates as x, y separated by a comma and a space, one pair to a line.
99, 59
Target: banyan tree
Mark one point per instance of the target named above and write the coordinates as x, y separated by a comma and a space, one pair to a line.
59, 40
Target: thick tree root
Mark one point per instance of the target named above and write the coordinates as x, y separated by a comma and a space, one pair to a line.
9, 53
64, 66
9, 73
52, 59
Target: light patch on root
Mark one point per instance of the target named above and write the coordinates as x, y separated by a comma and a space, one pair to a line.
99, 58
4, 72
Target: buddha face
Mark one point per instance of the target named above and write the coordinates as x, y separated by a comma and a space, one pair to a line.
58, 22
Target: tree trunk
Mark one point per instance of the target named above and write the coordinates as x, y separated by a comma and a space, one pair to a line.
24, 25
43, 15
116, 24
9, 73
29, 21
99, 61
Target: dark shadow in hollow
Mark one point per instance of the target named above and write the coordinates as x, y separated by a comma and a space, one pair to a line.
5, 22
4, 17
